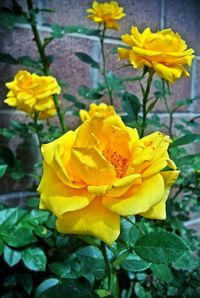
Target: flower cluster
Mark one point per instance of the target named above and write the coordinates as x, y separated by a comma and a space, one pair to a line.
32, 94
90, 179
106, 13
164, 51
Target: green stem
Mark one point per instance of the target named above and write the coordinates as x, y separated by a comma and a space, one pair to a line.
134, 224
44, 60
36, 114
144, 103
104, 64
107, 262
112, 282
170, 112
33, 23
60, 114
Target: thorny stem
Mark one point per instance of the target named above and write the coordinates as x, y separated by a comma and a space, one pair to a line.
107, 262
36, 114
44, 60
104, 64
110, 271
170, 112
144, 103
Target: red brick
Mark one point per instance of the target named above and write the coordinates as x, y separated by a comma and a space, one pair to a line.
138, 13
183, 17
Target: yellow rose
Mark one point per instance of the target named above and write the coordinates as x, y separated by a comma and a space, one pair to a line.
164, 51
103, 170
102, 109
33, 93
106, 13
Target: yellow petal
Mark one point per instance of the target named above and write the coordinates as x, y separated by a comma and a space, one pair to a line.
90, 166
99, 190
11, 101
84, 115
123, 53
169, 73
67, 140
170, 178
138, 200
155, 168
93, 220
122, 185
156, 212
145, 52
59, 198
159, 210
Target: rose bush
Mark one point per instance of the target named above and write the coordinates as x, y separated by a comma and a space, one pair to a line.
164, 51
101, 171
32, 94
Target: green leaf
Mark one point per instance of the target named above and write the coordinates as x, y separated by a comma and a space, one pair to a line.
187, 262
7, 19
12, 257
103, 293
57, 31
92, 260
89, 93
134, 263
131, 105
70, 97
160, 247
123, 256
29, 62
3, 170
19, 236
151, 105
162, 272
45, 285
60, 269
33, 202
34, 259
11, 219
7, 58
140, 291
71, 288
114, 82
186, 139
1, 246
80, 30
37, 217
87, 59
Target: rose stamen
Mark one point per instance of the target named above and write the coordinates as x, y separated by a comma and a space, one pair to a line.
118, 161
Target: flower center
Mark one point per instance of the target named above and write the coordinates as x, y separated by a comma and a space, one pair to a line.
118, 161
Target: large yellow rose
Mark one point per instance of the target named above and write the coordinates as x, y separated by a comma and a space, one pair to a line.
106, 13
103, 170
33, 93
101, 109
164, 51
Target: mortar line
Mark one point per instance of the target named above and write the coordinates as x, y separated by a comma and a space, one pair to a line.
94, 73
193, 84
39, 15
162, 14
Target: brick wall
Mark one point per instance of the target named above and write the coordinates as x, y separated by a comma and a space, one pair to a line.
180, 15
